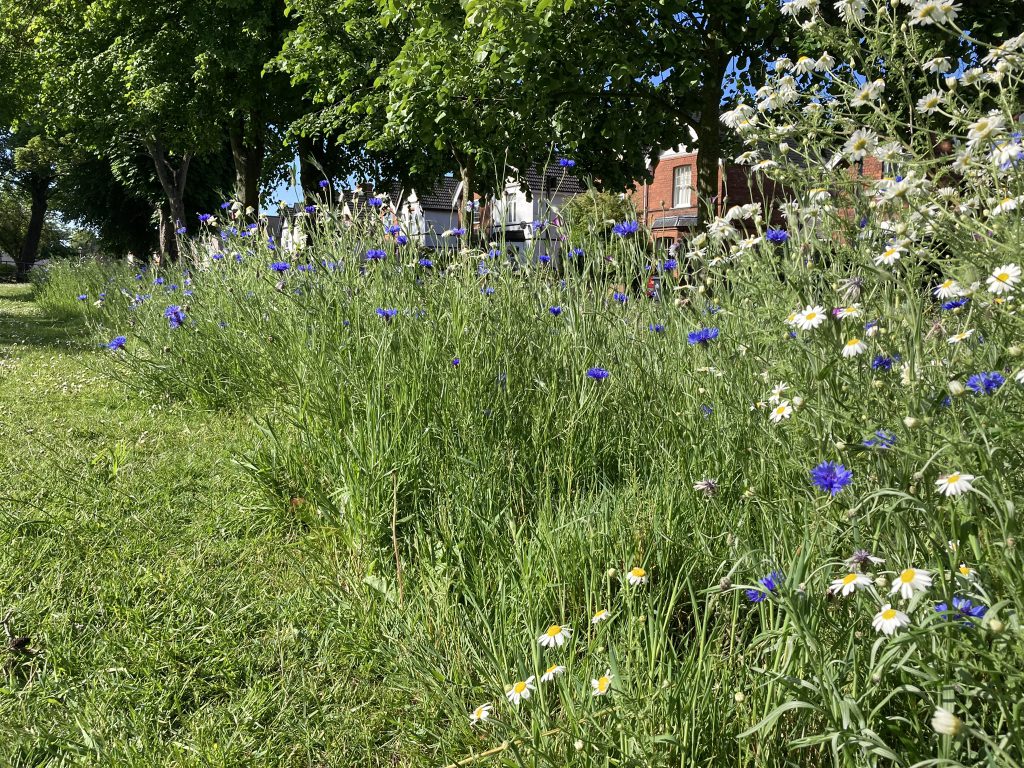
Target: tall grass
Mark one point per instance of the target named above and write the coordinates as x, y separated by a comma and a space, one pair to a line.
488, 486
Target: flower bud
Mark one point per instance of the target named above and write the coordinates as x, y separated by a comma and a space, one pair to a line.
881, 582
956, 388
738, 697
840, 445
910, 422
578, 744
946, 723
798, 401
724, 583
877, 384
1014, 351
611, 573
996, 627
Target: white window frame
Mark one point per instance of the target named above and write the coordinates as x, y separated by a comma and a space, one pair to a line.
682, 194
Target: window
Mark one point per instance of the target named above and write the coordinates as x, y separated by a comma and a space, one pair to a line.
682, 192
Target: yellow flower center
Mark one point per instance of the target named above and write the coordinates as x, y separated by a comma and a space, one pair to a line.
849, 579
554, 630
889, 614
551, 669
908, 575
1003, 277
811, 315
853, 342
603, 683
954, 478
479, 712
965, 570
638, 572
519, 687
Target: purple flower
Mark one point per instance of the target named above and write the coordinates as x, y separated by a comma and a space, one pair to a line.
402, 240
962, 608
620, 297
376, 254
82, 296
324, 183
703, 336
117, 343
426, 263
175, 316
487, 291
280, 266
457, 232
656, 328
881, 439
626, 228
455, 362
768, 585
205, 217
544, 259
777, 236
310, 209
386, 314
597, 374
565, 162
669, 265
956, 303
393, 229
985, 383
225, 205
831, 476
556, 311
882, 363
375, 202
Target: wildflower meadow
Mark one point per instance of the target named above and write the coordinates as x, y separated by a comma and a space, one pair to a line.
748, 501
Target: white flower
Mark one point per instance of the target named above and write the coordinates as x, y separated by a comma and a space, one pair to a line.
1003, 279
861, 144
910, 581
602, 615
852, 311
954, 484
966, 571
1005, 205
1019, 376
889, 256
888, 620
782, 411
521, 690
824, 63
948, 289
555, 636
777, 391
946, 723
552, 672
854, 347
847, 584
937, 66
636, 576
603, 684
982, 130
956, 338
931, 12
851, 11
810, 318
480, 714
869, 93
930, 102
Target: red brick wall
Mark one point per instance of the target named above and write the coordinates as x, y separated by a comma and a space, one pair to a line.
659, 191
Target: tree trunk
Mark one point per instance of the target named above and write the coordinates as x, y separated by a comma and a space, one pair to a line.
466, 173
172, 180
165, 230
247, 150
39, 188
709, 137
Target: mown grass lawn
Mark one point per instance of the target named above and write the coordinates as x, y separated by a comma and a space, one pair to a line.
170, 619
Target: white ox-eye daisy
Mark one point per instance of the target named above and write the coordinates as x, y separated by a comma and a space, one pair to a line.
888, 620
849, 583
601, 615
1003, 279
957, 338
782, 411
555, 636
910, 581
810, 318
520, 690
636, 576
602, 684
552, 672
947, 289
890, 255
480, 714
854, 347
954, 484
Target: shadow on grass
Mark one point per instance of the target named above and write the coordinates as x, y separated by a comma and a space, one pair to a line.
22, 322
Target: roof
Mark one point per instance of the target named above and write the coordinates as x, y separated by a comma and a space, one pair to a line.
674, 222
440, 198
551, 181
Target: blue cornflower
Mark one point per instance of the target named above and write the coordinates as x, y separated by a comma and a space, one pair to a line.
556, 311
576, 252
703, 336
117, 343
544, 259
706, 410
310, 209
205, 217
956, 303
881, 439
482, 270
324, 183
670, 264
458, 232
487, 291
225, 205
776, 236
386, 314
985, 383
280, 266
656, 328
769, 585
962, 608
306, 268
565, 162
620, 297
626, 228
426, 263
217, 256
882, 363
597, 374
456, 361
175, 316
180, 230
83, 296
402, 240
376, 254
393, 229
159, 281
831, 476
375, 202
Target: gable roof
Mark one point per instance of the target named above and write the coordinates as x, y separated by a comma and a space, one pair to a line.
553, 180
439, 198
